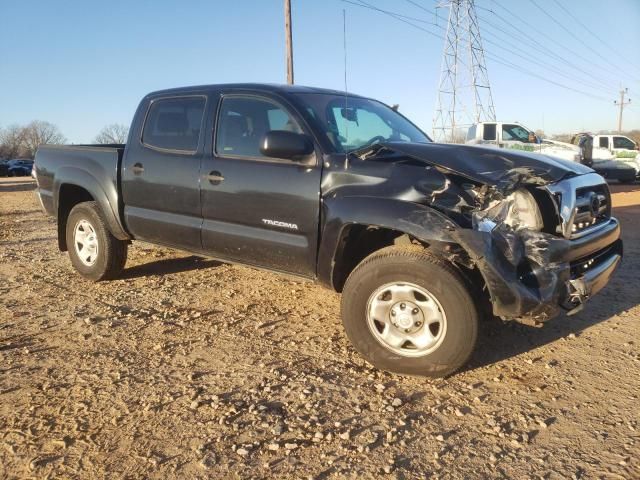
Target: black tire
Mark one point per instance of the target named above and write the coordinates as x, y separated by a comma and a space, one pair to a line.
111, 252
412, 265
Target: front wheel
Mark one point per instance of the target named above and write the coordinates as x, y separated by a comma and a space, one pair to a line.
94, 252
408, 311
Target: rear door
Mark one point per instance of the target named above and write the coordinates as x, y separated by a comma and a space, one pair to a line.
258, 210
161, 173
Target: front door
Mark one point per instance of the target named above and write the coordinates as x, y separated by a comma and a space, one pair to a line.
161, 174
259, 210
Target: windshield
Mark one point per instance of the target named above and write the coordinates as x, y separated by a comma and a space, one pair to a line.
353, 123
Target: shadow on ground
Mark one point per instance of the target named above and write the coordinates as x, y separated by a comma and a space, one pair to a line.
169, 266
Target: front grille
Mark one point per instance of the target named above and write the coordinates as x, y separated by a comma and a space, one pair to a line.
583, 204
593, 207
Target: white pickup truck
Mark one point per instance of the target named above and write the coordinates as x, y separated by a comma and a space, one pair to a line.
612, 156
516, 136
618, 145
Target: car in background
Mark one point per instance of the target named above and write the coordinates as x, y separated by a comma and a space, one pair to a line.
619, 145
611, 165
19, 167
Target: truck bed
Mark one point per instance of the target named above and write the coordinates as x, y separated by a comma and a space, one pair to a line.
95, 167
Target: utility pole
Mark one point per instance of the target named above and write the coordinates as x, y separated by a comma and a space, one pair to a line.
464, 93
622, 104
289, 43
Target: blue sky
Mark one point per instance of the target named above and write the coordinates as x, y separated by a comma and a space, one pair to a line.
85, 64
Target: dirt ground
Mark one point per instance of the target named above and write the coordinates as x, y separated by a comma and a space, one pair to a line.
187, 368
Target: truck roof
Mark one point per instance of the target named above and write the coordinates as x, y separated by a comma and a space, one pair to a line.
267, 87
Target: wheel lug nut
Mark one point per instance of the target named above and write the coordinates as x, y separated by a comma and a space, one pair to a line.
393, 313
402, 306
418, 324
406, 330
415, 311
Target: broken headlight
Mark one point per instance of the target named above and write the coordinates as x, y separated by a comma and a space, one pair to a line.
518, 210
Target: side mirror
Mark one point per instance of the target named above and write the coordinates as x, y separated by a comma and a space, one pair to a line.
285, 144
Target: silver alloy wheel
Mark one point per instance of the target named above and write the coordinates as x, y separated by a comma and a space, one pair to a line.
406, 319
85, 241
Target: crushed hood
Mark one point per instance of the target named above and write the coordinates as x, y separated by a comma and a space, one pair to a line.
497, 167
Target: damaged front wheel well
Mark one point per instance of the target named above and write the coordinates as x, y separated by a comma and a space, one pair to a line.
359, 241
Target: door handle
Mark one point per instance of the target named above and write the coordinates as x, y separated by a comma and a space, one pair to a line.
215, 177
137, 169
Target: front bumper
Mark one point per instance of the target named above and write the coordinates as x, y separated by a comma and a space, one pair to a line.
592, 281
533, 276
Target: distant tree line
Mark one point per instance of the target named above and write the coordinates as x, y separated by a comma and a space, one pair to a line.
18, 141
22, 141
114, 133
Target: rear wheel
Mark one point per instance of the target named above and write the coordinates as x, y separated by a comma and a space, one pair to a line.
94, 252
408, 311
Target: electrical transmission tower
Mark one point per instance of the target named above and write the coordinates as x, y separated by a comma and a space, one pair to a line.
464, 93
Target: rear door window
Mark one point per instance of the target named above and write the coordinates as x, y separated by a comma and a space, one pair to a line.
604, 142
174, 123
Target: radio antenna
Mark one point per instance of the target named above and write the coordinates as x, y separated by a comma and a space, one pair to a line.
346, 102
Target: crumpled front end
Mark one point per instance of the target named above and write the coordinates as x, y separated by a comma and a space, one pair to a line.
533, 272
537, 229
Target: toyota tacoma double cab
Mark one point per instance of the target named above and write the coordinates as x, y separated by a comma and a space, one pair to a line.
422, 239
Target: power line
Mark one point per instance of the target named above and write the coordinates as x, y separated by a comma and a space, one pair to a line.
577, 20
533, 74
421, 7
358, 3
548, 66
396, 16
548, 51
557, 22
553, 41
540, 63
488, 55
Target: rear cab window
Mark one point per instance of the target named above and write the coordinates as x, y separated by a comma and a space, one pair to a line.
174, 123
489, 131
604, 142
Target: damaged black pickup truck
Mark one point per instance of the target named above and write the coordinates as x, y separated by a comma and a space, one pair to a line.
422, 239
